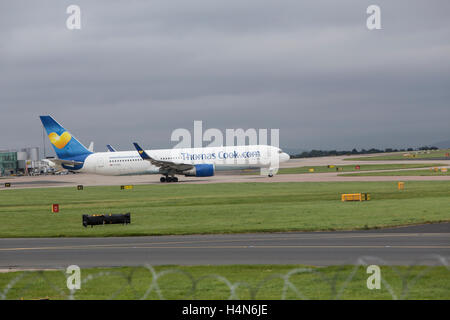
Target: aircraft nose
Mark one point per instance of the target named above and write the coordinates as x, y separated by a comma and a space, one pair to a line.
284, 157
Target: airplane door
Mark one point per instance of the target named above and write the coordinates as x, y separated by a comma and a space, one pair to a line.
100, 165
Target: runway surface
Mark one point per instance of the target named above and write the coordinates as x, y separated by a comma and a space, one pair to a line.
424, 245
222, 177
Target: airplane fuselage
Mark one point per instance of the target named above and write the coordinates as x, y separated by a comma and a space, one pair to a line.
222, 158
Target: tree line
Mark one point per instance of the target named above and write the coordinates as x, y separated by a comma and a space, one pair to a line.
324, 153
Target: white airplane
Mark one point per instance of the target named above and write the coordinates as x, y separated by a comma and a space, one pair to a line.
196, 162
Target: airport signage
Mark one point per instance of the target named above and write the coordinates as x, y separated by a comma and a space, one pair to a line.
55, 208
102, 219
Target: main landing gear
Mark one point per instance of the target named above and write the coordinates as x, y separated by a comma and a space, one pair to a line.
168, 179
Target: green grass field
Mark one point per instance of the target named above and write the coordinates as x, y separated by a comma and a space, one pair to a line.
399, 173
434, 154
352, 168
222, 208
251, 281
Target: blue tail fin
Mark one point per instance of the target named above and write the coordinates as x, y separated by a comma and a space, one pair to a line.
66, 146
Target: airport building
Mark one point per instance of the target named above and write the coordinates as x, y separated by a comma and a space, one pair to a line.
25, 161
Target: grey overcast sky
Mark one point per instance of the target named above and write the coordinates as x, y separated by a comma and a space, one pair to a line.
137, 70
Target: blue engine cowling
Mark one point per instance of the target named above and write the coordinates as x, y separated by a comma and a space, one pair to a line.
201, 170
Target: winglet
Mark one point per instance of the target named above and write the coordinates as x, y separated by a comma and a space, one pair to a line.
141, 152
110, 148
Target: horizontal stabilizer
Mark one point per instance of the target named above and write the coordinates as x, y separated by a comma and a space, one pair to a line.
70, 163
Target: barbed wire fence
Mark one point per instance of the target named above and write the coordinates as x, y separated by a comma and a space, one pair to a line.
408, 279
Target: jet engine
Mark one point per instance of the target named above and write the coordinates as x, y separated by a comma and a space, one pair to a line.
200, 170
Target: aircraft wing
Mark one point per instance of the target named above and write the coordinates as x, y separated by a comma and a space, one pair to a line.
164, 165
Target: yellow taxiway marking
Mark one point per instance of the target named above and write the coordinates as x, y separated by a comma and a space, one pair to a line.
294, 237
315, 237
232, 247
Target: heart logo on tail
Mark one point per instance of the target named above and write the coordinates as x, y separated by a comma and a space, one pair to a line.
60, 141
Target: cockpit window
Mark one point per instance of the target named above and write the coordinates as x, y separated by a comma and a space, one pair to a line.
280, 151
